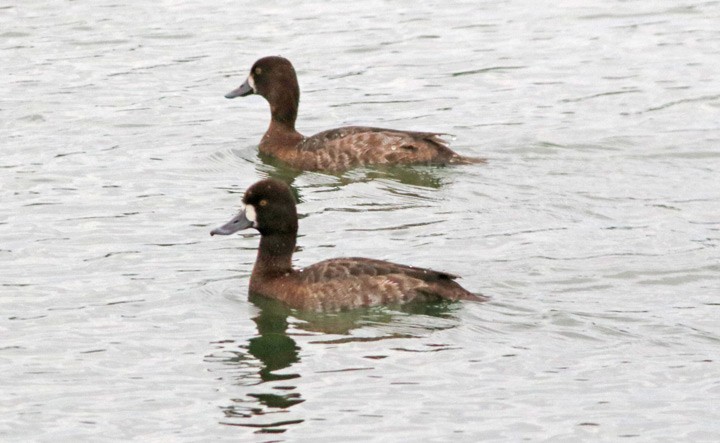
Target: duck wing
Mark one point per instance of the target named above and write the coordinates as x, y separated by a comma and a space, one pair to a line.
346, 283
350, 146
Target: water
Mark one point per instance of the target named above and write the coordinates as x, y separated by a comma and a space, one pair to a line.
594, 227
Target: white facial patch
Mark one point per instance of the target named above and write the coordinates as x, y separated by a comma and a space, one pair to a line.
250, 213
251, 82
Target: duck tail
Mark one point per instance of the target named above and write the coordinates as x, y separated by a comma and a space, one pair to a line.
475, 297
446, 287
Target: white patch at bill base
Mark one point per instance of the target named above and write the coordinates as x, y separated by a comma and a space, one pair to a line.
250, 213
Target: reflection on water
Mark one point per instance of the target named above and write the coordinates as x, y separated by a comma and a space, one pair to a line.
260, 361
266, 358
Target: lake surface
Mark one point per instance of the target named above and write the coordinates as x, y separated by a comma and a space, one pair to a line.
594, 228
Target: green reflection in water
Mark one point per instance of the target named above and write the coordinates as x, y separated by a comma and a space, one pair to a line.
273, 350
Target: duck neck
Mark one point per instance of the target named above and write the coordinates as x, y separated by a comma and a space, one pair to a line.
275, 255
284, 106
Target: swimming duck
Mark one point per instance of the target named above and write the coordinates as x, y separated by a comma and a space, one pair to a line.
330, 285
334, 150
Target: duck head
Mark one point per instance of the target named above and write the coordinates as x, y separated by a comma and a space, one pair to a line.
267, 206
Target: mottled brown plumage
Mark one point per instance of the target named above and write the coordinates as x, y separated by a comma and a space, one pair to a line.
338, 149
330, 285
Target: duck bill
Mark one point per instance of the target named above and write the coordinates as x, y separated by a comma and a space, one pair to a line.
242, 91
238, 223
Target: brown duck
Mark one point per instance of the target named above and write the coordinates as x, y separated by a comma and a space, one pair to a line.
334, 150
330, 285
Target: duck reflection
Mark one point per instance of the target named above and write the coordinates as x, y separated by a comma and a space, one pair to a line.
265, 359
261, 362
272, 346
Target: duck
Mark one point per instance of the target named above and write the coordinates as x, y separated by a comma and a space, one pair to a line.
337, 284
334, 150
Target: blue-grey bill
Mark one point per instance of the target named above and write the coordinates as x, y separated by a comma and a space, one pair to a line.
238, 223
241, 91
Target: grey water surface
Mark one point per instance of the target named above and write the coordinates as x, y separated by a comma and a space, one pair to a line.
594, 227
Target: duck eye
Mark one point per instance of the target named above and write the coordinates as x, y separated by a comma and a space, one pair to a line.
258, 70
263, 202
